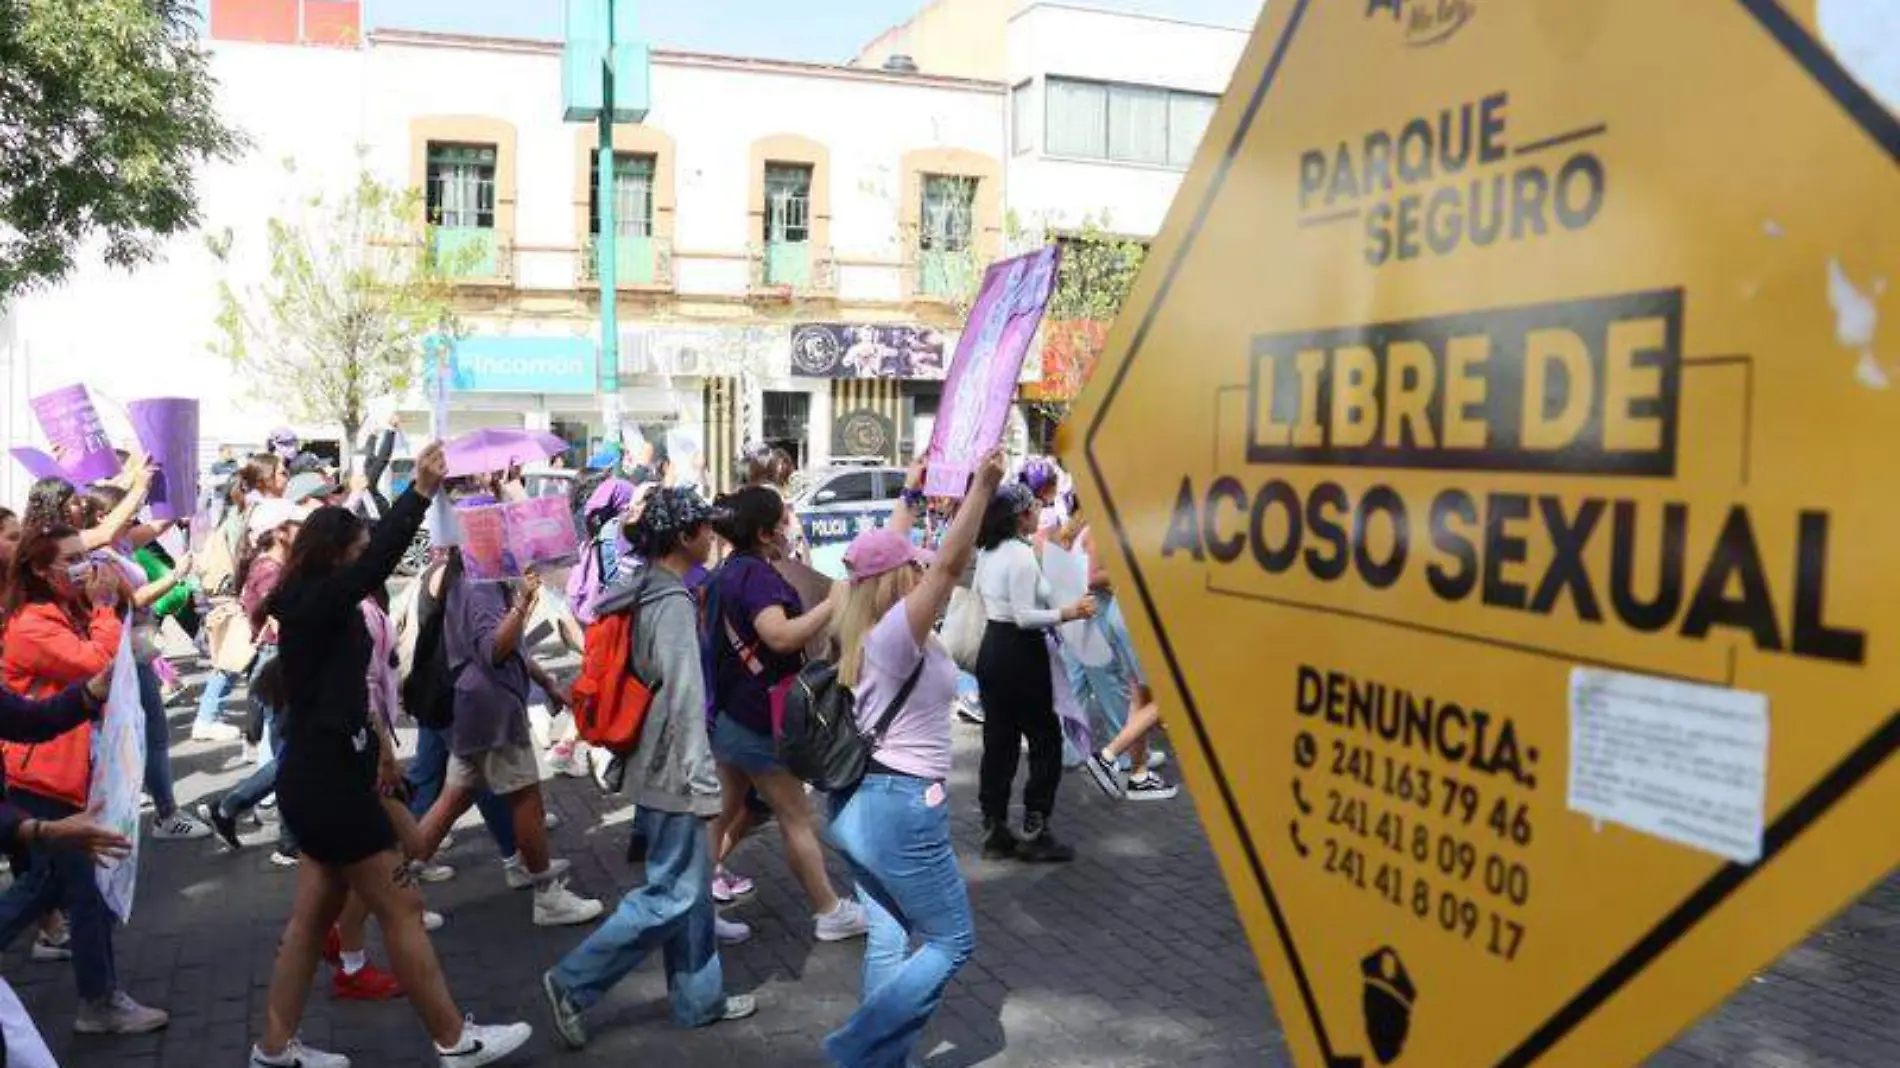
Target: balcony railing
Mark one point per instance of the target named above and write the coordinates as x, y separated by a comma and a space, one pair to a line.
638, 261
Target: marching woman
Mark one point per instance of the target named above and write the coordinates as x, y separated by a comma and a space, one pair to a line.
64, 619
330, 780
894, 827
1014, 677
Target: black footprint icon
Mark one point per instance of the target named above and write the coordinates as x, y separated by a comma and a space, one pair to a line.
1388, 999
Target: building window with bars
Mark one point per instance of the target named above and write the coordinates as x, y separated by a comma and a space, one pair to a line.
788, 224
947, 225
788, 424
1124, 123
635, 260
460, 195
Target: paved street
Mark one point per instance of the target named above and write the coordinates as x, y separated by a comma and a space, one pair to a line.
1129, 957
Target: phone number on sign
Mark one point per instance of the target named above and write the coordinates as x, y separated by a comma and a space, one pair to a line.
1453, 912
1451, 798
1501, 876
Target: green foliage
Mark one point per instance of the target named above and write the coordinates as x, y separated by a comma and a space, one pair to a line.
1099, 267
351, 292
106, 112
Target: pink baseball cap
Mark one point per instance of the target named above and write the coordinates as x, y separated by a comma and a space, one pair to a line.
874, 552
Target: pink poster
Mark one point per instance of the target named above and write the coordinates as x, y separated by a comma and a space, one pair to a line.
502, 541
72, 424
982, 383
168, 431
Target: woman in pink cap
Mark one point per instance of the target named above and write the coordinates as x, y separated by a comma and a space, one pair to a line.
894, 827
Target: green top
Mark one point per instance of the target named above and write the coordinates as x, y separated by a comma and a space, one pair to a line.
179, 597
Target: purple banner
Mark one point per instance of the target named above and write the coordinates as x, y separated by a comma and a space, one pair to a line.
168, 432
845, 350
982, 382
38, 464
79, 441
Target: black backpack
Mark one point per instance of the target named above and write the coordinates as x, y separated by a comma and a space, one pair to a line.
816, 727
429, 691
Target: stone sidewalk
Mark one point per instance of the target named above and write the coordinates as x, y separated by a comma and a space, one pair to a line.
1129, 957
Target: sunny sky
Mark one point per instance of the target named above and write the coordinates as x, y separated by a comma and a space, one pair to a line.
825, 31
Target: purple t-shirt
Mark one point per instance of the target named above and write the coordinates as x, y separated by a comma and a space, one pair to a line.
917, 742
745, 586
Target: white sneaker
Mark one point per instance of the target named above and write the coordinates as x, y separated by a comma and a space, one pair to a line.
118, 1015
433, 921
448, 843
283, 859
485, 1044
557, 906
842, 923
730, 932
178, 827
433, 873
215, 732
519, 878
47, 950
298, 1055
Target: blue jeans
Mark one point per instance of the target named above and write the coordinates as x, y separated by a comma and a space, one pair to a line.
1106, 688
258, 785
158, 744
429, 769
673, 913
211, 702
63, 879
897, 843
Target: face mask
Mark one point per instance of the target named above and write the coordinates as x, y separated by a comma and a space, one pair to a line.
79, 573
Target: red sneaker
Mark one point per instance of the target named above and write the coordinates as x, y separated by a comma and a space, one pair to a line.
369, 984
333, 948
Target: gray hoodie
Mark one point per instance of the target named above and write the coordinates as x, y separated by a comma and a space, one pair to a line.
671, 770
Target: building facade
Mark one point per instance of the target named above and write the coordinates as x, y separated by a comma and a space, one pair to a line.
795, 240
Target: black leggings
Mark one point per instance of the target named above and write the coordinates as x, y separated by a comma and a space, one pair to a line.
1012, 675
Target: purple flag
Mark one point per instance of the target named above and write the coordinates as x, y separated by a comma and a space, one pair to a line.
168, 432
38, 464
982, 382
79, 440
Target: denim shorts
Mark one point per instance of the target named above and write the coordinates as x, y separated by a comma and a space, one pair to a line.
739, 746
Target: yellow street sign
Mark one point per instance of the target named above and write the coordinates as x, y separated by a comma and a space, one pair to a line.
1497, 459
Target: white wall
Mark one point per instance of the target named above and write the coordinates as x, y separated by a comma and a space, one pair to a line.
145, 332
1052, 39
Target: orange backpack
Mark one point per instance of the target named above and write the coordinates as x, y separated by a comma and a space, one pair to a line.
610, 702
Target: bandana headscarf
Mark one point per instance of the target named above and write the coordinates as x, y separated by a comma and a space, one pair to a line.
670, 511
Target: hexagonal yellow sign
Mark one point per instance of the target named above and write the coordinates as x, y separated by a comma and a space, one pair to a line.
1497, 462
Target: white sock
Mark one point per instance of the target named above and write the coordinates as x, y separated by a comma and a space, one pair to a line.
284, 1058
461, 1044
353, 961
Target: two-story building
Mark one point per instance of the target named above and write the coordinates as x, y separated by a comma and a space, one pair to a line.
794, 239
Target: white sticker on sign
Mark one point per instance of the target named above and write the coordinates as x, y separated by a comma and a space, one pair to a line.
1683, 762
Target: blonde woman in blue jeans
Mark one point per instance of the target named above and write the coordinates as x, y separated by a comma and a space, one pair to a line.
894, 827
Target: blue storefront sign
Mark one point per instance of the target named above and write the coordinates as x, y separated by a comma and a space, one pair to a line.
522, 365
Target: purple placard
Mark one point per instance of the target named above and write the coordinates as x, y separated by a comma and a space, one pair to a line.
79, 440
38, 464
982, 382
167, 428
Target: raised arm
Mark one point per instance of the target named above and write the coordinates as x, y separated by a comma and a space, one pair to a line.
904, 515
925, 604
397, 531
139, 484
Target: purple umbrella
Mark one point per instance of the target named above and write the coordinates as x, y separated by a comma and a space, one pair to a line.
482, 451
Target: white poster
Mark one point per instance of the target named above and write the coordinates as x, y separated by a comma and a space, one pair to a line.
118, 770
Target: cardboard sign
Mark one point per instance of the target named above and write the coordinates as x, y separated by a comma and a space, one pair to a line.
167, 429
502, 541
982, 385
1493, 455
71, 423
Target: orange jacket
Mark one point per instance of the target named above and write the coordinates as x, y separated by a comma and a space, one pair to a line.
40, 655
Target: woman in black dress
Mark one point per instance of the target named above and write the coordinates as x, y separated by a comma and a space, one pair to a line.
332, 778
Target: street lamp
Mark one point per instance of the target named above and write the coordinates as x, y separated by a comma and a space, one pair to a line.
606, 78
